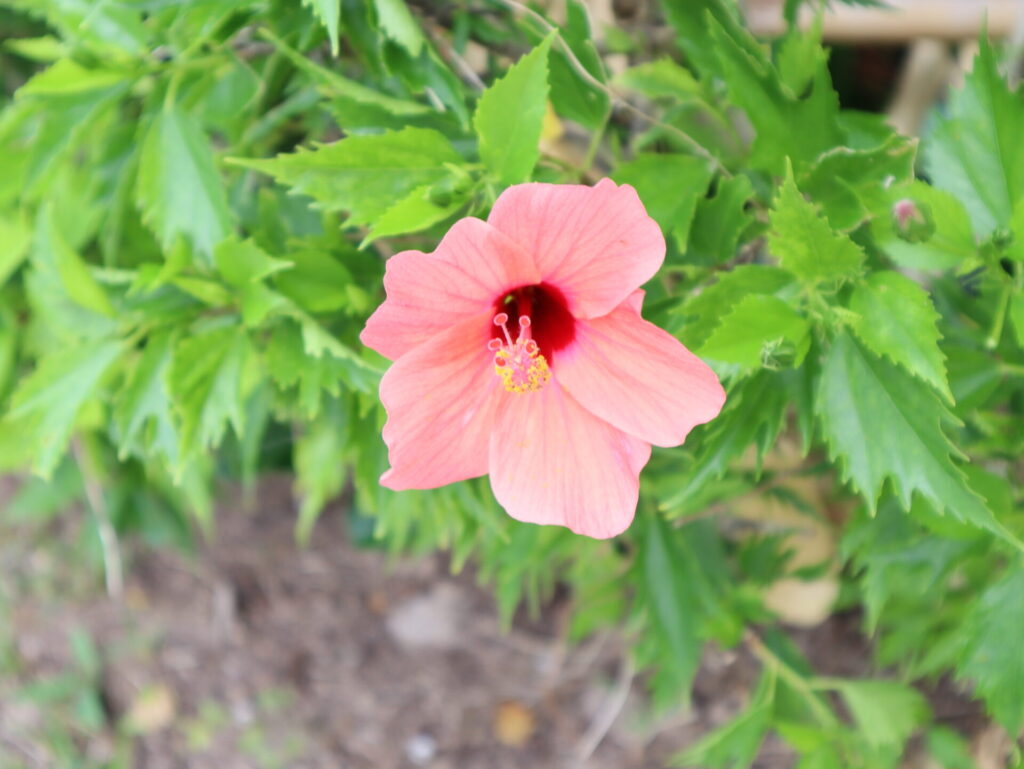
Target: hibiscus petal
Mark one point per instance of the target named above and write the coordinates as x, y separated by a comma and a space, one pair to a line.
473, 267
638, 377
441, 400
553, 462
596, 244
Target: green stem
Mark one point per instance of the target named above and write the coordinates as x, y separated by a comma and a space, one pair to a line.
800, 684
595, 142
996, 332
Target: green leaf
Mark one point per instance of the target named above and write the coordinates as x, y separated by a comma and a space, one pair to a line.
661, 79
418, 210
787, 125
1016, 313
66, 76
572, 96
206, 384
720, 221
318, 455
754, 414
690, 21
1015, 250
243, 262
46, 404
804, 243
882, 423
704, 311
363, 175
674, 604
75, 276
318, 282
337, 86
753, 331
66, 119
510, 114
245, 265
976, 152
950, 245
329, 13
398, 24
179, 190
950, 749
852, 185
886, 712
735, 744
15, 237
142, 414
896, 319
993, 656
303, 353
669, 186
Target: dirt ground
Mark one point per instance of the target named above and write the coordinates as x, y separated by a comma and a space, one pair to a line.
256, 653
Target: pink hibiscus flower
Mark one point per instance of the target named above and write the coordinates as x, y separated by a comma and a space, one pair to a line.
519, 352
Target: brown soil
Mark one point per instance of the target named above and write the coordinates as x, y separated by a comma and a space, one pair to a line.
257, 653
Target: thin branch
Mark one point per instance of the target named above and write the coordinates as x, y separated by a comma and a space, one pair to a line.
610, 710
615, 97
113, 569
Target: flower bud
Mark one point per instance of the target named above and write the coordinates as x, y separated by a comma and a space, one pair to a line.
912, 221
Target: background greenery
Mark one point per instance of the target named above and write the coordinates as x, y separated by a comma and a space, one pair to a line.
196, 197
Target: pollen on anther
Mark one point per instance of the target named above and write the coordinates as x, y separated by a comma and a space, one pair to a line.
519, 363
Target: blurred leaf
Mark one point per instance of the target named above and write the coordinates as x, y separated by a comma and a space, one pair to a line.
47, 403
880, 423
661, 79
75, 276
363, 175
950, 749
719, 222
803, 241
690, 20
754, 414
66, 76
15, 235
799, 127
571, 95
318, 282
896, 319
992, 658
398, 24
243, 262
334, 84
329, 13
735, 745
206, 385
669, 186
145, 402
674, 604
318, 459
975, 152
179, 190
510, 114
886, 712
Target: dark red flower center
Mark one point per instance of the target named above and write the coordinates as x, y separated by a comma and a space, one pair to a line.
531, 324
551, 323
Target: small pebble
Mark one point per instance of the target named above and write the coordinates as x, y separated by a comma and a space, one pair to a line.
420, 749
